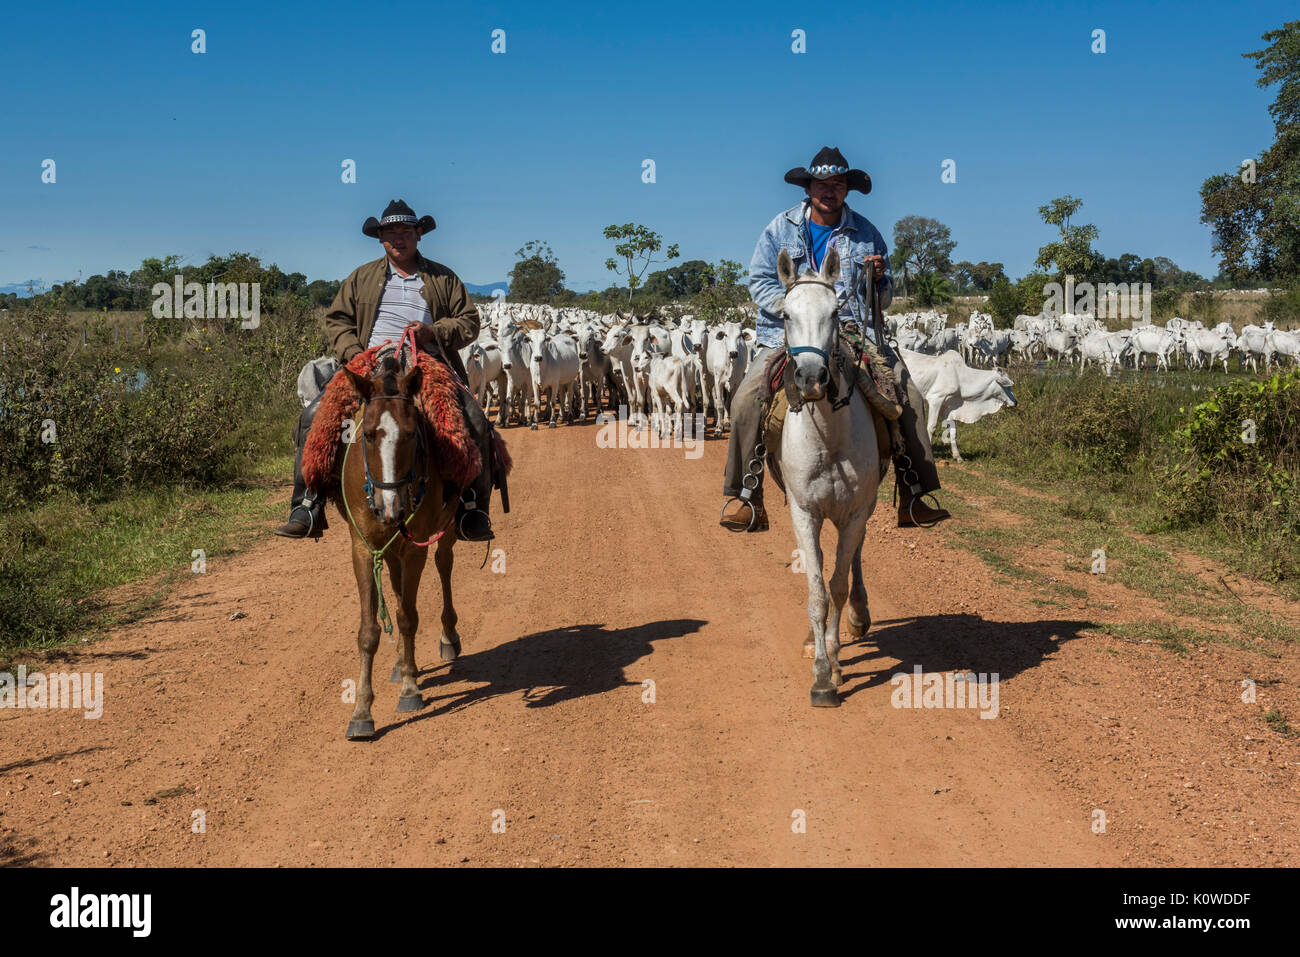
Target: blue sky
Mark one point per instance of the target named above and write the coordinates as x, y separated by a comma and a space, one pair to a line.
161, 150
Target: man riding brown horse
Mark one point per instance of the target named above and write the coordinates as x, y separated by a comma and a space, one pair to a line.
375, 304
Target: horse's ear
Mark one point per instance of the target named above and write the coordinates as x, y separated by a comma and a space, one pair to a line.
831, 267
409, 384
785, 269
359, 382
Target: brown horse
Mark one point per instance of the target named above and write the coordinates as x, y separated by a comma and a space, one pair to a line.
393, 498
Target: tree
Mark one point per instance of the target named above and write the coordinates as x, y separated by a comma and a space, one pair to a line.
536, 277
922, 245
1255, 214
980, 276
1005, 302
1072, 254
1031, 286
638, 245
680, 282
726, 292
321, 292
930, 288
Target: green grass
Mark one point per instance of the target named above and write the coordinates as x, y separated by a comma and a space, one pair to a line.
1102, 448
67, 555
1022, 553
1277, 721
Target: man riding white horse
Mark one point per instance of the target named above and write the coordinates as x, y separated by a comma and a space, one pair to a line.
806, 232
375, 304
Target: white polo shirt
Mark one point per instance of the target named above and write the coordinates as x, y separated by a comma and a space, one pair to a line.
399, 305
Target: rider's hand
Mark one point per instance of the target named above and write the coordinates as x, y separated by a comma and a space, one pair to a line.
424, 337
877, 265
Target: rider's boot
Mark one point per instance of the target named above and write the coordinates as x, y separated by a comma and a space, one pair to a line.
913, 512
738, 517
306, 511
472, 521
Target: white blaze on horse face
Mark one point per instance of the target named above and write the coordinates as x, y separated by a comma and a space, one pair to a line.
388, 435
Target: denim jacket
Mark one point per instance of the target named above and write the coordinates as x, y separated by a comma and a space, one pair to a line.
856, 239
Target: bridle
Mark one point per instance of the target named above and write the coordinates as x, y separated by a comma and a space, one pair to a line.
829, 360
421, 456
421, 453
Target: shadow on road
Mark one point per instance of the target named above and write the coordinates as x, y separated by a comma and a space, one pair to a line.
548, 667
35, 760
951, 642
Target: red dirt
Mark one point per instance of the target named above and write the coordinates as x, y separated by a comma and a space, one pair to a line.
616, 572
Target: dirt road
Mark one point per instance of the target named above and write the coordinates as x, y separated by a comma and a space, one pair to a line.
541, 744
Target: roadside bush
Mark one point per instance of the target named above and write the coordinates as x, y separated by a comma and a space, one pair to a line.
1239, 464
1283, 308
1071, 426
120, 415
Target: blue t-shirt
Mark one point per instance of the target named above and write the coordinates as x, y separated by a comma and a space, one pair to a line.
819, 236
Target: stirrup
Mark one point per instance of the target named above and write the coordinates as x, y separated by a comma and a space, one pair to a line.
311, 514
745, 496
921, 498
468, 508
314, 527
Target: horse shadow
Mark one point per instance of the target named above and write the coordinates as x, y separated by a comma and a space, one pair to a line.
548, 667
964, 642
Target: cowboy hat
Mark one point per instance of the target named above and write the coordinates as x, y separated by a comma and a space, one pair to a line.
829, 162
398, 212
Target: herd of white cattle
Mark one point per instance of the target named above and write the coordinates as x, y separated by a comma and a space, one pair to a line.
536, 362
1082, 339
530, 356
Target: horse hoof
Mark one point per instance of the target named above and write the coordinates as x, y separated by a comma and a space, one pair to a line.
409, 702
858, 627
825, 698
448, 651
360, 730
396, 676
533, 427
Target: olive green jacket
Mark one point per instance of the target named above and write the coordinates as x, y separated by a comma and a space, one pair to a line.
352, 314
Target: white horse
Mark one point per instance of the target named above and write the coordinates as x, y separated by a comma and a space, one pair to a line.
830, 463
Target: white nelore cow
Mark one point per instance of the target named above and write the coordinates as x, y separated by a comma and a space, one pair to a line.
516, 360
1283, 343
954, 392
1252, 345
554, 365
482, 361
1206, 347
728, 362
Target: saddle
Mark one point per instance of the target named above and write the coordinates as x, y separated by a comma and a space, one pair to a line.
873, 379
454, 450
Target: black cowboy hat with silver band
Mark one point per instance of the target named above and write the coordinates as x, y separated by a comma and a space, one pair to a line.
398, 212
829, 162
